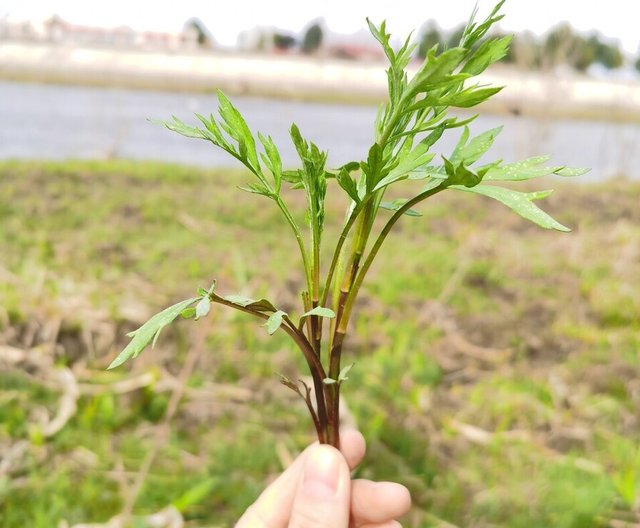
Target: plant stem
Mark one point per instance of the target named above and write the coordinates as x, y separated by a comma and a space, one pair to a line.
336, 255
344, 320
323, 394
298, 235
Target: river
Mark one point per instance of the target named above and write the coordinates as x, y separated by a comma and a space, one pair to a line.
40, 121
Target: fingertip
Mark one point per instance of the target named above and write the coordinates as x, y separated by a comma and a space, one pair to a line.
353, 447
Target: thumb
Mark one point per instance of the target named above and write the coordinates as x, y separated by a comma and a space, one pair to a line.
323, 496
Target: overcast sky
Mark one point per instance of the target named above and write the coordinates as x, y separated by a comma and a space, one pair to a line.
614, 18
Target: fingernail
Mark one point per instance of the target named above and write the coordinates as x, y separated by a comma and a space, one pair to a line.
321, 473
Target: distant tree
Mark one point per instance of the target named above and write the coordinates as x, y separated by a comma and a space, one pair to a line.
196, 25
430, 35
453, 39
607, 54
283, 41
564, 46
527, 50
312, 39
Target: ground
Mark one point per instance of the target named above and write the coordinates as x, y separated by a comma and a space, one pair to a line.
496, 364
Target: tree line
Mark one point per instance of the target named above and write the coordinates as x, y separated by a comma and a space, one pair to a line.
561, 46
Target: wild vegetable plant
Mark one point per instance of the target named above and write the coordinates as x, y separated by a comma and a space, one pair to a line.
406, 129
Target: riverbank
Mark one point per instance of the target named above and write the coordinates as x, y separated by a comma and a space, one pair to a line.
300, 78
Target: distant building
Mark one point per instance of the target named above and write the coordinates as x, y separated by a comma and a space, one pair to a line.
59, 31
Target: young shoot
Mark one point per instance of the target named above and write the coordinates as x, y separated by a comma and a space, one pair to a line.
408, 127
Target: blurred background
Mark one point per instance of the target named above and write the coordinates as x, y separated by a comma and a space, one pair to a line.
497, 366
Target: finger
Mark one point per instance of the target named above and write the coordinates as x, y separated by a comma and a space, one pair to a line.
389, 524
273, 507
378, 502
323, 496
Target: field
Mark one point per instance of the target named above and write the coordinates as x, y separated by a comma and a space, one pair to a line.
497, 365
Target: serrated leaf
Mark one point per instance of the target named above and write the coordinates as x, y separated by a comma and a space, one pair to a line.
383, 38
461, 175
320, 311
178, 126
373, 167
274, 322
436, 71
257, 188
470, 152
272, 160
519, 202
490, 51
571, 172
261, 305
148, 331
203, 307
466, 98
397, 204
237, 128
530, 168
347, 183
412, 160
292, 176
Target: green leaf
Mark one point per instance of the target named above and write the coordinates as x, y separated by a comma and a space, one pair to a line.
320, 311
469, 153
397, 204
409, 161
467, 98
528, 169
518, 202
329, 381
237, 128
348, 184
261, 305
373, 167
188, 313
474, 32
178, 126
272, 160
571, 172
274, 322
461, 175
148, 331
257, 188
490, 51
437, 71
383, 38
343, 373
203, 307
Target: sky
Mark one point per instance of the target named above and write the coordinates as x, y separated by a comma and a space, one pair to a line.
614, 18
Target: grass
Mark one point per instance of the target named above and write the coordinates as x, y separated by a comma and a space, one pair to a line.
507, 396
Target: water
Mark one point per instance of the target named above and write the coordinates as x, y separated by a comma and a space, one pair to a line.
60, 122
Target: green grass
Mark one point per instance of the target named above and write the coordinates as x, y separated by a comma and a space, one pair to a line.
535, 342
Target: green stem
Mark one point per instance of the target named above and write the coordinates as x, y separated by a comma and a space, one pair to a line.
346, 313
300, 240
323, 394
336, 255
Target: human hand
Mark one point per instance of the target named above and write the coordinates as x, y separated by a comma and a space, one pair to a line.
316, 491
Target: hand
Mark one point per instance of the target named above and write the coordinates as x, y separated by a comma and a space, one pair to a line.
316, 491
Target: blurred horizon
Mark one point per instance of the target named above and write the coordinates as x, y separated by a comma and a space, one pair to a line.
614, 21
